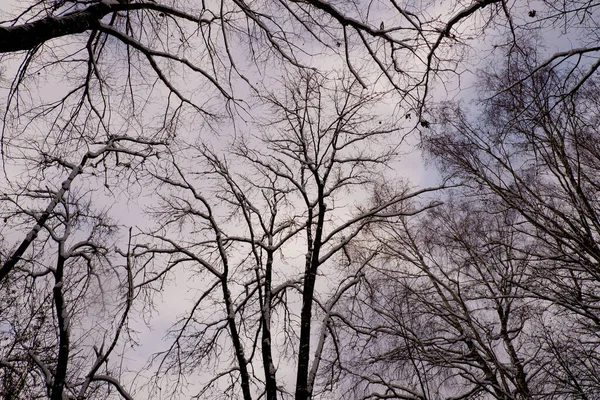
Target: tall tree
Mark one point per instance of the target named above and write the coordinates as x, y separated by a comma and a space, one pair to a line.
446, 315
158, 68
66, 306
532, 151
102, 98
271, 225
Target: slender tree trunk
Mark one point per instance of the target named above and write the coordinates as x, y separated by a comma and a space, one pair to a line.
63, 330
310, 277
269, 367
237, 343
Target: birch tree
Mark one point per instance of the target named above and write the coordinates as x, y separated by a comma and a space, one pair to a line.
446, 315
532, 152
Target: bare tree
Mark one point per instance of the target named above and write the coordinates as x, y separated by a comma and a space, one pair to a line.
57, 315
532, 151
121, 64
444, 315
99, 90
68, 289
115, 58
267, 222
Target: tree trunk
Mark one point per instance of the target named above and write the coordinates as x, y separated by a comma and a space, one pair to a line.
28, 36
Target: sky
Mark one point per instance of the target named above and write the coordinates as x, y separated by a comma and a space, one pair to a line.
127, 204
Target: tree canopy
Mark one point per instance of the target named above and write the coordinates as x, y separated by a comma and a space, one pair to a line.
226, 199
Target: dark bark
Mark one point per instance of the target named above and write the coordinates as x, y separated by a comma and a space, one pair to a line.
32, 235
63, 331
28, 36
310, 277
11, 262
237, 342
233, 330
268, 365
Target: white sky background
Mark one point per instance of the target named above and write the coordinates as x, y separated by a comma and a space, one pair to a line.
131, 202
